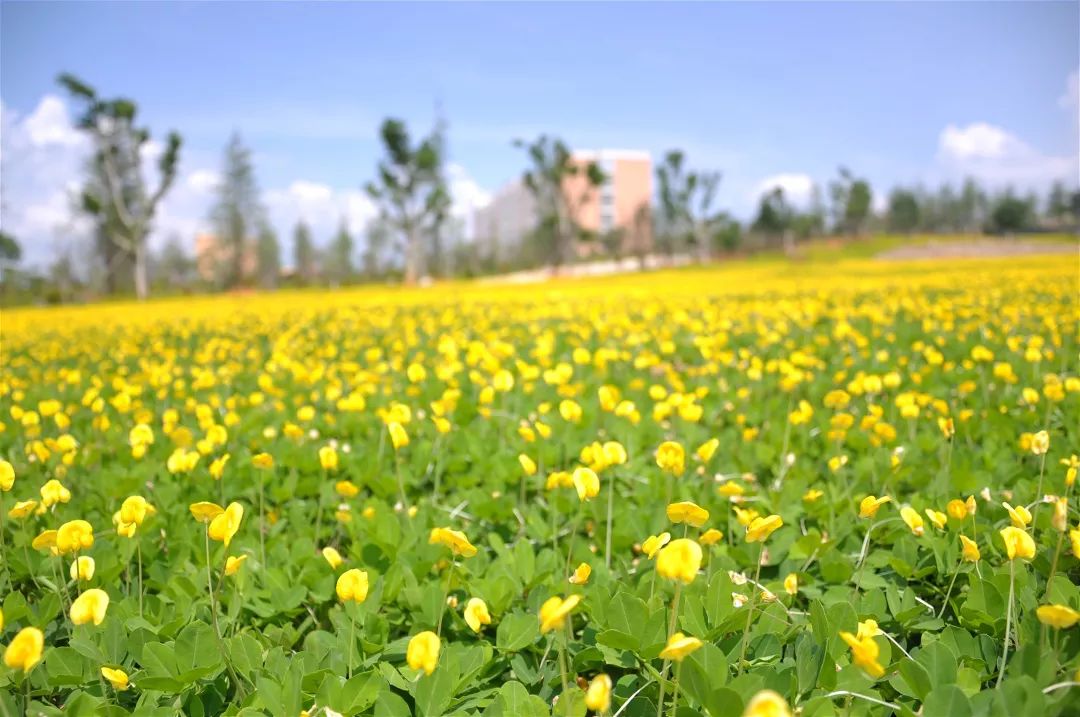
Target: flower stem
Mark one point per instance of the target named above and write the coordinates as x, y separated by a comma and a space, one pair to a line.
675, 692
610, 508
213, 612
948, 592
352, 640
446, 596
573, 535
319, 511
262, 524
1008, 621
750, 612
138, 552
670, 631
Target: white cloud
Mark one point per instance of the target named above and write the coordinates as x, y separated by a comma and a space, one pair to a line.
797, 187
49, 124
998, 157
978, 140
320, 206
203, 180
1070, 99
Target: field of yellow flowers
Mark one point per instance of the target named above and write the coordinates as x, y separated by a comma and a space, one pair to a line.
760, 490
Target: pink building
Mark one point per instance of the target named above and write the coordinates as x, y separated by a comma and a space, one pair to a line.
622, 205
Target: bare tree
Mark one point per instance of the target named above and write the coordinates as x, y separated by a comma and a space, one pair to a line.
123, 197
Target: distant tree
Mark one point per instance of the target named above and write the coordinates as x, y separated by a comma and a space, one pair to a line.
1057, 203
122, 201
174, 266
303, 253
340, 262
267, 255
903, 211
972, 205
10, 250
409, 190
237, 212
378, 238
686, 199
1010, 214
639, 239
726, 233
551, 180
774, 216
852, 199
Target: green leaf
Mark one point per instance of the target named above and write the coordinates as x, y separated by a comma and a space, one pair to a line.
66, 666
939, 662
947, 701
916, 677
433, 692
516, 631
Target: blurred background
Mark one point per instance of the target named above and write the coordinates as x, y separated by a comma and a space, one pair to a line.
170, 148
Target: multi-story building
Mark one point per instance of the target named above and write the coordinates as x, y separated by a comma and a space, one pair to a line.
619, 208
213, 260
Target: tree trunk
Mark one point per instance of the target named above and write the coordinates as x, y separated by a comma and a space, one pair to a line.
412, 257
142, 290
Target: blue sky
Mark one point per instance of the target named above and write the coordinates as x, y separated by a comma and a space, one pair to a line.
900, 92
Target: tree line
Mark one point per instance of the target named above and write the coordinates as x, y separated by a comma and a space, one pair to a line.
415, 235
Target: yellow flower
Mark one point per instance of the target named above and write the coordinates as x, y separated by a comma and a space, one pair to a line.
73, 536
767, 703
346, 489
761, 528
679, 646
864, 653
423, 651
554, 611
937, 518
54, 492
687, 512
730, 489
527, 464
262, 460
706, 450
869, 505
328, 458
711, 537
913, 519
671, 458
453, 539
586, 483
653, 543
333, 557
1020, 516
25, 649
1018, 544
598, 695
679, 560
1074, 537
204, 512
570, 411
224, 526
82, 568
135, 509
476, 614
970, 549
812, 494
1057, 616
581, 574
1072, 465
7, 476
745, 517
117, 678
791, 584
90, 606
233, 564
217, 466
1060, 518
398, 436
352, 585
1040, 443
957, 509
47, 539
22, 509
